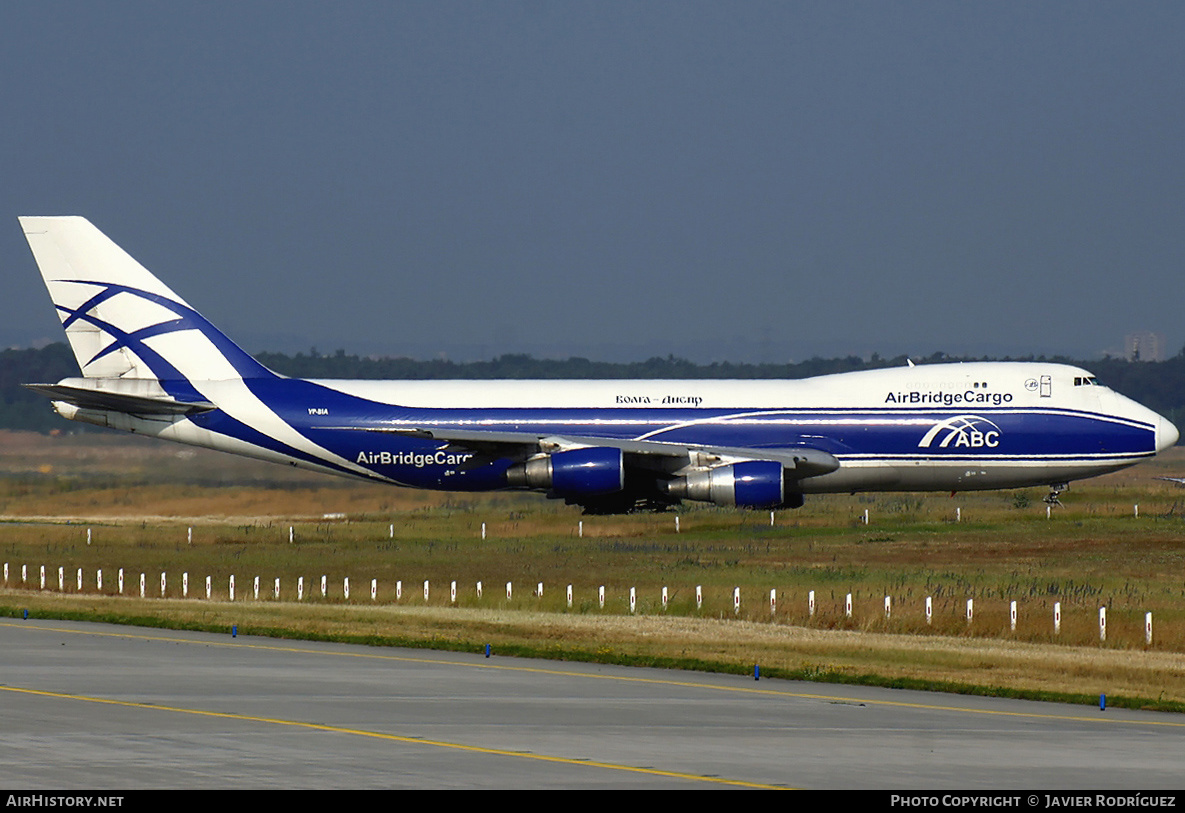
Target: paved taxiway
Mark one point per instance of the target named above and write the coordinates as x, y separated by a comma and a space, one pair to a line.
99, 706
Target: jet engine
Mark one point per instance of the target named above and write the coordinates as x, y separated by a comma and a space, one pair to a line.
576, 472
750, 484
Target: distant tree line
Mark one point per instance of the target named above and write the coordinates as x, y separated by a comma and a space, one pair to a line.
21, 409
1160, 385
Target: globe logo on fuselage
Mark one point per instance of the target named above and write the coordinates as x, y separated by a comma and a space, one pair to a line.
962, 431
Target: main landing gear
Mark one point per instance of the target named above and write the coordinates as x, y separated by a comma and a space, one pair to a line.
1055, 491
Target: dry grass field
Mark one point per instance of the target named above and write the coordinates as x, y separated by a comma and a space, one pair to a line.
139, 499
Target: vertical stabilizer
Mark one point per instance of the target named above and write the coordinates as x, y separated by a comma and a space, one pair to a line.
121, 321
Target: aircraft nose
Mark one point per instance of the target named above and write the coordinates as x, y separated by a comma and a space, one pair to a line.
1166, 434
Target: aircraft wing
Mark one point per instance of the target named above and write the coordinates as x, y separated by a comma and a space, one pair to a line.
802, 461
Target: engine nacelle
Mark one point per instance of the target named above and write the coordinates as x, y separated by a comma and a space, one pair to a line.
751, 484
576, 472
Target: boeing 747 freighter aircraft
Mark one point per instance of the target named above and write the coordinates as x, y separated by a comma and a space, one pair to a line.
153, 365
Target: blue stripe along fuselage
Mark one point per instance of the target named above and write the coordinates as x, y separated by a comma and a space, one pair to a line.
999, 435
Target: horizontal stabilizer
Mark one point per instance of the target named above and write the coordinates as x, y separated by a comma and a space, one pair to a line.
87, 398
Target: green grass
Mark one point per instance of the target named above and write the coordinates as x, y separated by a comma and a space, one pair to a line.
1130, 566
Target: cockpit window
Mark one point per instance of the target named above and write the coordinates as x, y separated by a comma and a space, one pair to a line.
1086, 381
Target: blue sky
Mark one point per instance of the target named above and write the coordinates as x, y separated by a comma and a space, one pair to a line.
754, 181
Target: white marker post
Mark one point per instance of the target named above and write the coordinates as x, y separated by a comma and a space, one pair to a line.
1102, 623
929, 610
970, 605
633, 600
425, 591
580, 529
810, 603
162, 584
479, 590
255, 589
276, 594
888, 607
324, 586
300, 588
664, 597
483, 531
1012, 616
452, 592
399, 590
141, 585
43, 577
99, 580
185, 584
508, 591
773, 601
232, 587
539, 590
374, 589
1057, 617
346, 588
569, 596
847, 605
61, 579
736, 600
699, 597
121, 581
1148, 629
601, 596
208, 586
79, 580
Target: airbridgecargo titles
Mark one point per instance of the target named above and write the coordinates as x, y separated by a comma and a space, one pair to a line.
949, 398
153, 365
409, 459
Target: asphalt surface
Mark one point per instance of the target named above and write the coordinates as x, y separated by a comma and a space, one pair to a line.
106, 707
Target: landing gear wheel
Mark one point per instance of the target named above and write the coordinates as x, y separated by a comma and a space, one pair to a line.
1055, 490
